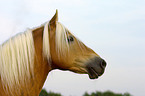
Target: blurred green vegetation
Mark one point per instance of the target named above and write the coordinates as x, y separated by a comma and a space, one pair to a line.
97, 93
45, 93
106, 93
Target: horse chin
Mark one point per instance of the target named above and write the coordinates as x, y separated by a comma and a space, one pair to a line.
93, 74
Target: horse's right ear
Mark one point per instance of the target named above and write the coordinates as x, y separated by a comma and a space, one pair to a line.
54, 18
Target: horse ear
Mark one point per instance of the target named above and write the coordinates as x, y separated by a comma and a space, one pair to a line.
54, 18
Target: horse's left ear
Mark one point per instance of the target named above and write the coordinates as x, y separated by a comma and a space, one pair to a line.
54, 18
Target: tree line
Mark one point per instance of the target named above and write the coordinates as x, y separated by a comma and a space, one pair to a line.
97, 93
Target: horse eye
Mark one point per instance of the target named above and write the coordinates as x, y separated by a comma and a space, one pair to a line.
70, 39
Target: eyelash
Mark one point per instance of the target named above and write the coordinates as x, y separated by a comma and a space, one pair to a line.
70, 39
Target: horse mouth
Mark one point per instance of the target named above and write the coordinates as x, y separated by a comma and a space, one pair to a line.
93, 73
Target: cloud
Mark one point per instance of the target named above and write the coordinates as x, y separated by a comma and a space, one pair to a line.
7, 28
123, 17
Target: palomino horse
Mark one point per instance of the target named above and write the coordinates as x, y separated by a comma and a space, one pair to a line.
27, 58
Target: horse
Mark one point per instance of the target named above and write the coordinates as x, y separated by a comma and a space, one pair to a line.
27, 58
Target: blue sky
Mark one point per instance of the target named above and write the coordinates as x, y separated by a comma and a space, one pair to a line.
114, 29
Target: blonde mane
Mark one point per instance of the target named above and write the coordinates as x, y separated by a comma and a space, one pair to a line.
17, 55
46, 44
61, 41
16, 60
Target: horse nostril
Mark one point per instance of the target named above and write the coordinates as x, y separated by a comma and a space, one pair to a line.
103, 64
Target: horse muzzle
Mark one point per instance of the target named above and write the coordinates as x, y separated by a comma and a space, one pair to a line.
96, 67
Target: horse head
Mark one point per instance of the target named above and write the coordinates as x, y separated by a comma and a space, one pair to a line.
69, 53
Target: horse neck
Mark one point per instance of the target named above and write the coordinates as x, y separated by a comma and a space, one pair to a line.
41, 66
33, 86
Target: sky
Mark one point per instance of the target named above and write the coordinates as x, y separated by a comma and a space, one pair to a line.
115, 29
